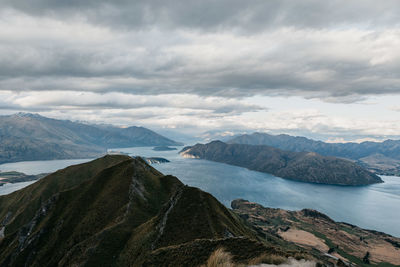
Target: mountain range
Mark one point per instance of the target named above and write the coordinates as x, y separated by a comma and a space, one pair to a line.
26, 136
299, 166
380, 157
119, 211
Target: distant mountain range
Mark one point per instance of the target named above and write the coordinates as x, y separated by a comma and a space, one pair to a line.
119, 211
381, 158
299, 166
26, 136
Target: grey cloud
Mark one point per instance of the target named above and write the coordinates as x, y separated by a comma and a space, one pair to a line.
165, 104
213, 54
156, 50
248, 16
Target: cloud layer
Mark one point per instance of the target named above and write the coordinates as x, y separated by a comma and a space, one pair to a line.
196, 59
228, 49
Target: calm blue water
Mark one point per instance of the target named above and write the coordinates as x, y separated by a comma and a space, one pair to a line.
40, 166
373, 207
9, 188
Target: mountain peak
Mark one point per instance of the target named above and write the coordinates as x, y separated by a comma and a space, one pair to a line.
117, 211
28, 115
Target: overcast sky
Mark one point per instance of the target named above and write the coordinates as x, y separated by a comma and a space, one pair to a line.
324, 69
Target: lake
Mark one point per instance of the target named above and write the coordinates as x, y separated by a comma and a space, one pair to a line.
9, 188
40, 166
374, 207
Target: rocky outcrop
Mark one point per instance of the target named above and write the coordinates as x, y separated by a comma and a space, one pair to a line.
315, 214
156, 160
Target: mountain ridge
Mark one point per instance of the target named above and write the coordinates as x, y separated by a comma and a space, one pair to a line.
299, 166
380, 157
119, 211
26, 136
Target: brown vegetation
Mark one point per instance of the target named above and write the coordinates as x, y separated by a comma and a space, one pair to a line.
219, 258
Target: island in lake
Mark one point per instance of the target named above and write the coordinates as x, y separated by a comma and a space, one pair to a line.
17, 177
164, 148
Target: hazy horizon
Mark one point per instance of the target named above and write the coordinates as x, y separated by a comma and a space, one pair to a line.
323, 70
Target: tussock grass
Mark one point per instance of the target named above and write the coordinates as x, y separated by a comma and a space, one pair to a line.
268, 259
222, 258
290, 262
219, 258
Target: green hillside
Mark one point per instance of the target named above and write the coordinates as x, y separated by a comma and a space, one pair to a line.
119, 211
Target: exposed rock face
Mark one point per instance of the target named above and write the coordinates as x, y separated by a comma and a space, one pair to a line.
315, 214
299, 166
187, 153
156, 160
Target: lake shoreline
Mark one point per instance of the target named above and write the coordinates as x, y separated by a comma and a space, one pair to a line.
371, 206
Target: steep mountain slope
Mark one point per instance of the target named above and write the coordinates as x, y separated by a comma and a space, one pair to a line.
383, 158
119, 211
300, 166
316, 231
33, 137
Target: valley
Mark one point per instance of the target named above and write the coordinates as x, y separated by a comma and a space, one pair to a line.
190, 133
87, 214
226, 182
